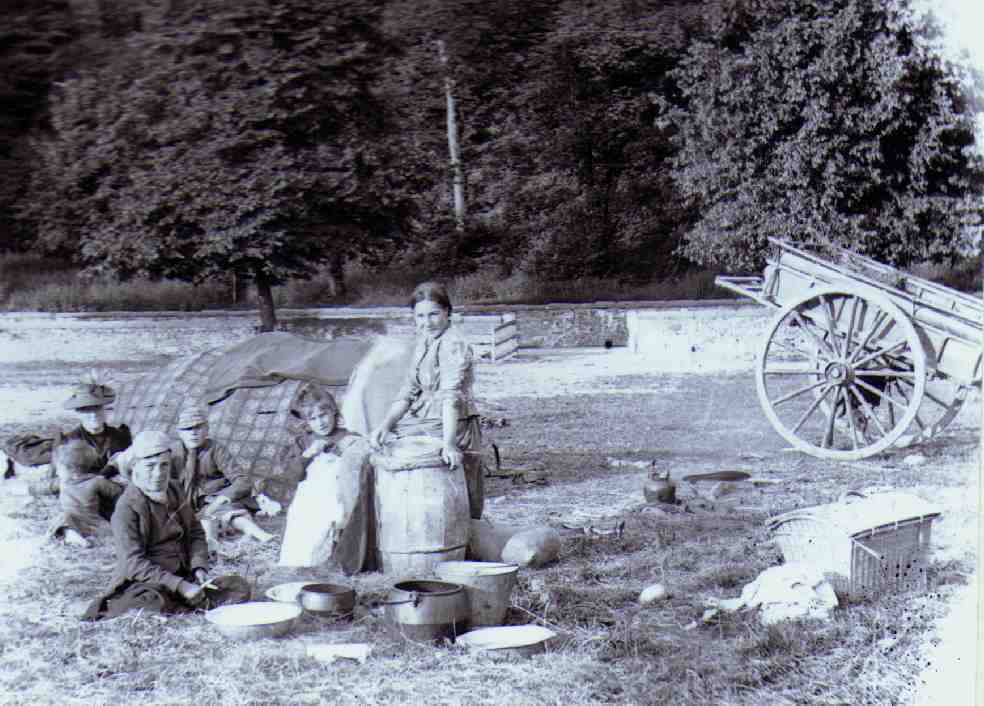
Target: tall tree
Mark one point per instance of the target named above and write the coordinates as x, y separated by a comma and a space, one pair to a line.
592, 192
824, 121
37, 39
244, 139
487, 47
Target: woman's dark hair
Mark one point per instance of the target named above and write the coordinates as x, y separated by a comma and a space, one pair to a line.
431, 292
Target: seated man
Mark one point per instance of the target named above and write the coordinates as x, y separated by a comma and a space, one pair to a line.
161, 554
89, 404
220, 491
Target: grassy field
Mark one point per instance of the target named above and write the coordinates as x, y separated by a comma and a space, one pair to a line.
610, 649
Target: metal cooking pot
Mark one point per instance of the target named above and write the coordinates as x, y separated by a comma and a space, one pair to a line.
327, 599
427, 611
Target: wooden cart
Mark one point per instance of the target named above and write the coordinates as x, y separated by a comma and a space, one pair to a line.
860, 356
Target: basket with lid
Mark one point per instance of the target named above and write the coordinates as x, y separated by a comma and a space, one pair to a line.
865, 545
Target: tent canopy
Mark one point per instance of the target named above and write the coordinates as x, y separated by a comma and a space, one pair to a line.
270, 358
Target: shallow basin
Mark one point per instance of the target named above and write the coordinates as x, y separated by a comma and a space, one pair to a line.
508, 640
287, 592
256, 619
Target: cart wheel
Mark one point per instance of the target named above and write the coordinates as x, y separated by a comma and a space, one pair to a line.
842, 373
943, 397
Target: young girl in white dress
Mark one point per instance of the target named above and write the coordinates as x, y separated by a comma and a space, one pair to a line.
328, 519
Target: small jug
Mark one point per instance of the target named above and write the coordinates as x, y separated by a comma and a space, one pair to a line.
659, 488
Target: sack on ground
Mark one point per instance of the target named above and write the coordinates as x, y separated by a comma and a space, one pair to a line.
486, 540
533, 548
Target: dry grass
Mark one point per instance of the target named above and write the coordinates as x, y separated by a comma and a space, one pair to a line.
611, 649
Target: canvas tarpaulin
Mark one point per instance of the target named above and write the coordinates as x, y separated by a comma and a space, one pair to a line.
270, 358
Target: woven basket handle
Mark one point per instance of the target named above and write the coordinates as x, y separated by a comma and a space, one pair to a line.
846, 497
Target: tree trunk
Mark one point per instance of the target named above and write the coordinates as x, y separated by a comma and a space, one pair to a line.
336, 269
457, 174
264, 296
240, 287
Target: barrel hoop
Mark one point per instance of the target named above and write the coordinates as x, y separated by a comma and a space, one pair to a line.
435, 550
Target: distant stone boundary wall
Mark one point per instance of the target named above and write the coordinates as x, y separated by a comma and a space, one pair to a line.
594, 324
115, 336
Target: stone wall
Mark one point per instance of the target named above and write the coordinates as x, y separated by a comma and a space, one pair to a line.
151, 336
559, 327
601, 324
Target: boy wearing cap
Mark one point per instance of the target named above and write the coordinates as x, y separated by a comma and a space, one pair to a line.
161, 553
221, 491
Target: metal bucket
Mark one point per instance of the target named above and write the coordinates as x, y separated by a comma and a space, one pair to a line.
427, 611
488, 585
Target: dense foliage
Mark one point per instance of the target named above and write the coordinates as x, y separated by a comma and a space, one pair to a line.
624, 140
241, 139
826, 121
37, 45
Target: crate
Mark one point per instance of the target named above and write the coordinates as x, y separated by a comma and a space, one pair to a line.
865, 546
493, 337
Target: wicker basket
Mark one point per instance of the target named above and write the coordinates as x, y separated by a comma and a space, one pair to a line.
864, 545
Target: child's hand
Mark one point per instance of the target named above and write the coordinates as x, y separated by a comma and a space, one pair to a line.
75, 539
316, 447
218, 501
191, 592
268, 506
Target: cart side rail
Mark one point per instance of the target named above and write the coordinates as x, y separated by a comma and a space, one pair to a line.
908, 291
792, 279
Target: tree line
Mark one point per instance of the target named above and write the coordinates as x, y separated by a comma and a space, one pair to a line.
626, 139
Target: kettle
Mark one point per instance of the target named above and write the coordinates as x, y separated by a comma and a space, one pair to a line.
659, 488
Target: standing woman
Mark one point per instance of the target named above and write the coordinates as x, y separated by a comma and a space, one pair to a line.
436, 398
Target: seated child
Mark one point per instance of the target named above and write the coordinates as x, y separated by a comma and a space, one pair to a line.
161, 553
220, 490
328, 519
87, 500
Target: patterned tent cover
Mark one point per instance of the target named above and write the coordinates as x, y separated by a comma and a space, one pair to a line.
249, 390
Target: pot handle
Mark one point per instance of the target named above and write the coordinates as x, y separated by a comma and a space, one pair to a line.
414, 599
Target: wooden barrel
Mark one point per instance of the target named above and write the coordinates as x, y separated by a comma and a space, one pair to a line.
422, 519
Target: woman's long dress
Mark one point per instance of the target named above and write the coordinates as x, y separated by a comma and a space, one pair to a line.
441, 371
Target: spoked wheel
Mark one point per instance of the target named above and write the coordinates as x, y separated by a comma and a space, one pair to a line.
943, 397
842, 373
